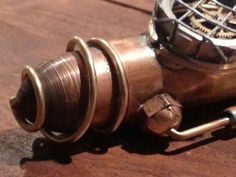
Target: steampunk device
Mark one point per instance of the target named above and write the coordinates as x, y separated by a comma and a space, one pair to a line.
187, 57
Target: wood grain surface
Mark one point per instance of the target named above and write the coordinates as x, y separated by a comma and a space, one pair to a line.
34, 30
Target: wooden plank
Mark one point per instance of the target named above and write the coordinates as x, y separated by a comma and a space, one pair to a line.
34, 30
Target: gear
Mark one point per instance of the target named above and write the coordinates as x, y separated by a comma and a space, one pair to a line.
197, 23
212, 11
225, 34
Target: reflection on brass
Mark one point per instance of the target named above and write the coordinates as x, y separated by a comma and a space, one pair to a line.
162, 113
199, 130
187, 57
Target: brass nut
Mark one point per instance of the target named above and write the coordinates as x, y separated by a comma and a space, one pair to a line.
162, 113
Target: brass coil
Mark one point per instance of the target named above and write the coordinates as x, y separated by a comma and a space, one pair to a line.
58, 86
30, 121
92, 86
115, 62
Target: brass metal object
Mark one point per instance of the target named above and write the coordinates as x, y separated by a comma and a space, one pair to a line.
212, 11
199, 130
162, 113
186, 58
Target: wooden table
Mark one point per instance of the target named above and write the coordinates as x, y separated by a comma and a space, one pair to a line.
34, 30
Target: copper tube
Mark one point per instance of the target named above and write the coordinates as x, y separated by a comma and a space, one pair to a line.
94, 100
201, 82
100, 85
81, 93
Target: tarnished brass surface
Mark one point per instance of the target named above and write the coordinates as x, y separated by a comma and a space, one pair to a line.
35, 30
199, 83
120, 62
139, 76
162, 113
100, 85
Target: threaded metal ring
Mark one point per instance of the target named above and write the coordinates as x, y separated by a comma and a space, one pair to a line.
89, 64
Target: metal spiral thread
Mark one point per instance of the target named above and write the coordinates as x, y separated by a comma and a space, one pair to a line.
50, 95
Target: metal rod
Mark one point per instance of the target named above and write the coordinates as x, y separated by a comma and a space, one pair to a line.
189, 12
199, 130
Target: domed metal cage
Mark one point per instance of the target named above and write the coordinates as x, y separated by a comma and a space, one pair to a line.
202, 30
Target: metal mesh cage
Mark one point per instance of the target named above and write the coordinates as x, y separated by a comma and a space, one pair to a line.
200, 29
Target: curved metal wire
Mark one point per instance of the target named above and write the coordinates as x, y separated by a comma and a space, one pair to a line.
114, 59
27, 125
89, 64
